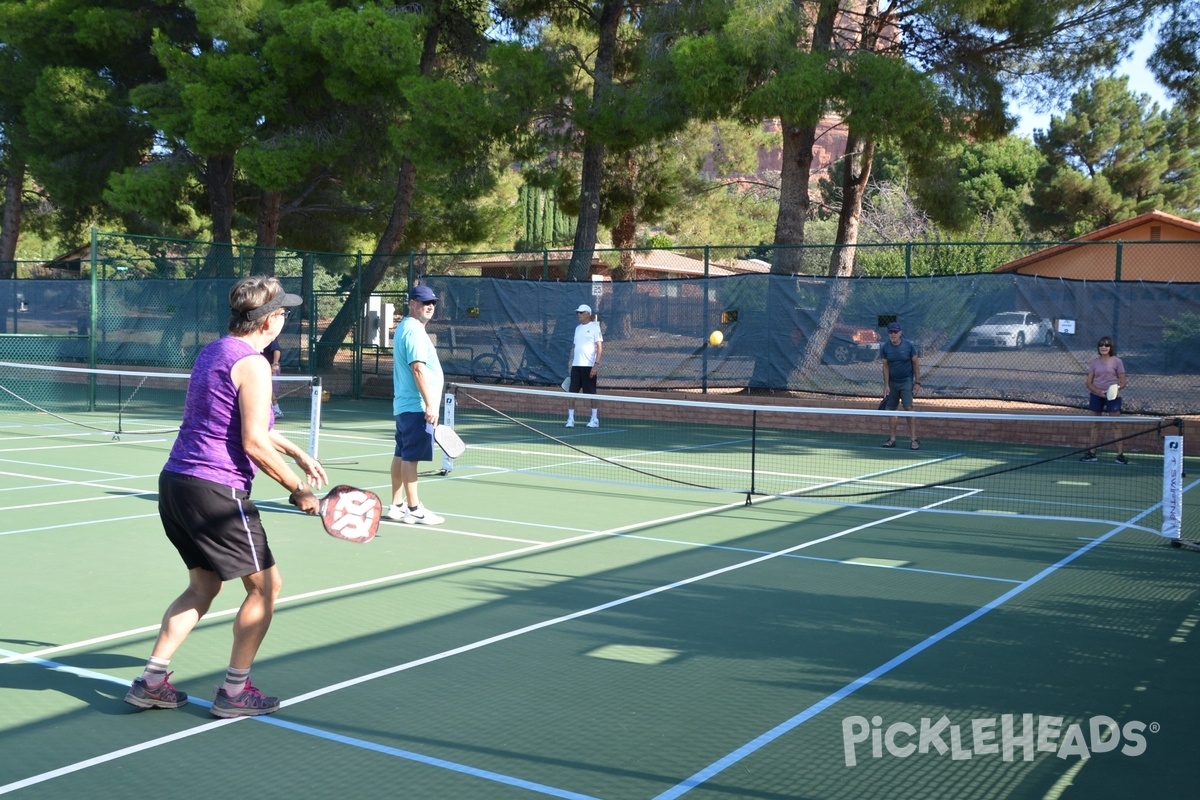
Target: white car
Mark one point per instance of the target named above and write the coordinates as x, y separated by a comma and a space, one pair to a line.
1013, 329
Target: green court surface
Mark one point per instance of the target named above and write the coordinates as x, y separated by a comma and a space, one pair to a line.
570, 637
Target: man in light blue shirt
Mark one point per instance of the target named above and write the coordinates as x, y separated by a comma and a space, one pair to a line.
417, 383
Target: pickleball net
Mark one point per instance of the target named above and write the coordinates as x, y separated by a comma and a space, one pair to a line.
1003, 464
54, 400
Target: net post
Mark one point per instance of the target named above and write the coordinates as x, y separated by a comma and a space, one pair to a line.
120, 409
753, 453
314, 416
448, 419
1172, 498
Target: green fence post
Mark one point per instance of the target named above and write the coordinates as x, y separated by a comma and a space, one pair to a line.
1116, 332
704, 315
93, 324
359, 325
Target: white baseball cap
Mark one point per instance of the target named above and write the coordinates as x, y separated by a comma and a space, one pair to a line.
584, 307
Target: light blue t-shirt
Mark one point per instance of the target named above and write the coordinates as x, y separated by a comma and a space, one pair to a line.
413, 344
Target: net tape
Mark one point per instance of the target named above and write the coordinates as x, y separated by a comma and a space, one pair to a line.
515, 405
60, 388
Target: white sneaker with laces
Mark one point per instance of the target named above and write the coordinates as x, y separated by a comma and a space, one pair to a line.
594, 423
570, 424
278, 411
397, 513
422, 516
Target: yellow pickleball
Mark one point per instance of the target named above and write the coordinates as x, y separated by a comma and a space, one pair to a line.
715, 338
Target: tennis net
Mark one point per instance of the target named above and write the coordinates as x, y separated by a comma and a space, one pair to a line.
1010, 464
56, 399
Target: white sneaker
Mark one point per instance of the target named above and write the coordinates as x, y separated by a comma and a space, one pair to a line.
278, 411
397, 513
422, 516
570, 424
594, 423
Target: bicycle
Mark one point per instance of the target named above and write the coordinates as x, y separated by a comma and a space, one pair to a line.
496, 366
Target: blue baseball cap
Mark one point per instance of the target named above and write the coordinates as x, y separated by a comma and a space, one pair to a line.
894, 327
422, 294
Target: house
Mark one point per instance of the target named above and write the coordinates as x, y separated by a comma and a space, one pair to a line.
1154, 246
648, 265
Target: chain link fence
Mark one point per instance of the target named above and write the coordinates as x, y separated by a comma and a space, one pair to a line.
152, 303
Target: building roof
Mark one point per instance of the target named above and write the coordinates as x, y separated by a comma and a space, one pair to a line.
664, 262
1107, 233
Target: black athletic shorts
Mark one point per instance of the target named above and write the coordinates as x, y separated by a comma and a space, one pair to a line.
214, 527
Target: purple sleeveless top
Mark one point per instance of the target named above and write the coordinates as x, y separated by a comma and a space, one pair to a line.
209, 444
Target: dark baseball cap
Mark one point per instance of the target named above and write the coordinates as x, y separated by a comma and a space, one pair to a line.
894, 327
422, 294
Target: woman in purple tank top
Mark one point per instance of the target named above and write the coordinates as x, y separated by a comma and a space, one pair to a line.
226, 437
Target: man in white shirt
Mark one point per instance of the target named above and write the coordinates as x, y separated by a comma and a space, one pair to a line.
585, 361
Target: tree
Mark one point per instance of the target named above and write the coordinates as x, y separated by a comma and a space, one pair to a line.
75, 62
1176, 58
613, 127
1111, 156
466, 100
981, 188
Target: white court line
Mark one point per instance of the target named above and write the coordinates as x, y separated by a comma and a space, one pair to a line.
476, 645
74, 446
89, 523
66, 468
381, 580
127, 492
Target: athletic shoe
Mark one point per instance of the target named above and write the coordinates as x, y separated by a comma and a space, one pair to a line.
278, 411
570, 424
1122, 460
595, 423
1089, 457
397, 513
164, 696
250, 703
422, 516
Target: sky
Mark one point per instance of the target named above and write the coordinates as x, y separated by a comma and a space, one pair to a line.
1141, 81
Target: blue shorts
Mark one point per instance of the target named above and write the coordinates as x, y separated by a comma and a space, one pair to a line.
901, 394
1102, 405
414, 442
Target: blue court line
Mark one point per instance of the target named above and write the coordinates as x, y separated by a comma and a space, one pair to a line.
756, 744
841, 561
408, 755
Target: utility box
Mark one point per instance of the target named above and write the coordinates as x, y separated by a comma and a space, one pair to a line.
380, 319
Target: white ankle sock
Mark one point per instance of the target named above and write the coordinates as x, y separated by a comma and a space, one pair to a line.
235, 681
156, 671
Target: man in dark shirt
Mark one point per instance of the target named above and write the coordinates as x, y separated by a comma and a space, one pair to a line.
901, 378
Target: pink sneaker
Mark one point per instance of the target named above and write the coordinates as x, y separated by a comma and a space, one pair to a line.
162, 696
250, 703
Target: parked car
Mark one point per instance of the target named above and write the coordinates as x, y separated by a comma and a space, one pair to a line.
1012, 329
846, 343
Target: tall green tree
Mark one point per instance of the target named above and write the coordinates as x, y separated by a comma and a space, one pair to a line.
68, 114
1176, 58
1111, 156
612, 129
